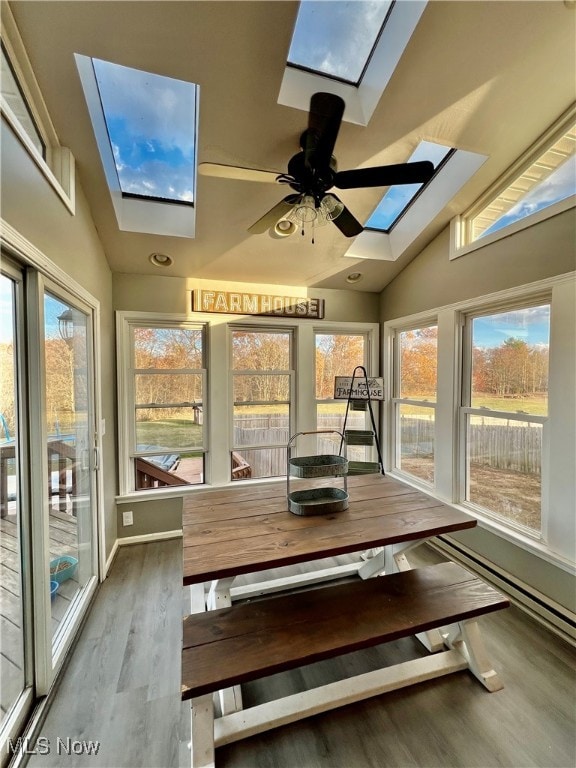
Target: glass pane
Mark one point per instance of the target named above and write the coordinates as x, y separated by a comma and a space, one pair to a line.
337, 38
257, 463
331, 416
416, 436
167, 429
11, 92
168, 388
400, 196
167, 348
336, 355
510, 360
263, 388
168, 469
151, 123
70, 441
504, 468
418, 351
260, 351
11, 603
261, 425
550, 179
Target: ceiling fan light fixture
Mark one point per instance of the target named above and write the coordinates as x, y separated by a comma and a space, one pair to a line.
331, 207
305, 210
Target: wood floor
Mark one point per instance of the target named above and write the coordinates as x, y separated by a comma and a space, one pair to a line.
121, 688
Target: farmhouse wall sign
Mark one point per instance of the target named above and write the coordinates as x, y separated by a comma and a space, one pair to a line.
342, 385
232, 303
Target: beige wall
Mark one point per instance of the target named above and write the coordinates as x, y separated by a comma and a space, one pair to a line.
432, 281
31, 206
173, 295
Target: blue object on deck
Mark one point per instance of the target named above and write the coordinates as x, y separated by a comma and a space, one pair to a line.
64, 573
167, 462
53, 589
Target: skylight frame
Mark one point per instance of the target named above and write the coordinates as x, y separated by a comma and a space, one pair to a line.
434, 197
361, 101
136, 214
329, 75
449, 152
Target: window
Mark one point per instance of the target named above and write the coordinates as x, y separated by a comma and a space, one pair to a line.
12, 93
414, 401
151, 123
262, 395
145, 126
169, 381
363, 43
25, 112
542, 183
337, 38
337, 354
504, 410
400, 197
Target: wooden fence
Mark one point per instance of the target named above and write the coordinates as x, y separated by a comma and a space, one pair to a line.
512, 446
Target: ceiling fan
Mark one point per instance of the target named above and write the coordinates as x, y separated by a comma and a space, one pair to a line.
312, 172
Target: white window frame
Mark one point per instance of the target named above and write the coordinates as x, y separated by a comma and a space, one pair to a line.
58, 167
465, 410
461, 225
557, 544
218, 439
290, 372
397, 401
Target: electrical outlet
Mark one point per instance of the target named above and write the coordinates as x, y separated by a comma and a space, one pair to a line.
127, 518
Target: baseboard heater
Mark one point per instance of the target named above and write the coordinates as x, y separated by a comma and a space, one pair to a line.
552, 615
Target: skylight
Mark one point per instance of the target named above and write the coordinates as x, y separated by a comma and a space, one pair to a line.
399, 197
151, 125
550, 179
336, 38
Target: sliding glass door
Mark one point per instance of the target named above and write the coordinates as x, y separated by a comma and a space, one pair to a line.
48, 488
71, 454
15, 625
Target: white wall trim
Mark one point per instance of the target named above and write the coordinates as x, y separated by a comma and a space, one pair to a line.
147, 538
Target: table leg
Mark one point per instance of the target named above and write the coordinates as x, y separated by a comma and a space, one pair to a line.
202, 732
230, 699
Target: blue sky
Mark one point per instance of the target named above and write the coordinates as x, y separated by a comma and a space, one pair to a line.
151, 122
558, 186
397, 197
337, 37
531, 325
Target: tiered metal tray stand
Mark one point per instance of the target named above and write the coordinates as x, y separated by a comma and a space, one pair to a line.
324, 499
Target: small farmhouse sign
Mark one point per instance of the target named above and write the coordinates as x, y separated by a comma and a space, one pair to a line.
343, 387
230, 302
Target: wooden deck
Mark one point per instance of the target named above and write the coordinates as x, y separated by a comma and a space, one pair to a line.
63, 541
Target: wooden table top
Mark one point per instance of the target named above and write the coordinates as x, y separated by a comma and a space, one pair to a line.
247, 528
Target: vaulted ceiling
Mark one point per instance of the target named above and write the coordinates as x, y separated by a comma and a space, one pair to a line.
486, 77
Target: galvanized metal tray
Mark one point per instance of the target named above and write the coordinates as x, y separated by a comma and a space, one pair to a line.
326, 465
318, 501
359, 436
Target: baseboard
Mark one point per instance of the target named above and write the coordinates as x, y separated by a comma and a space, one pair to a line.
110, 559
552, 615
147, 538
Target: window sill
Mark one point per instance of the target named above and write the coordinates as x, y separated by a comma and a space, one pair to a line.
524, 541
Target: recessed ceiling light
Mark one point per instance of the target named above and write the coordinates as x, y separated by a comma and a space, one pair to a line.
160, 260
354, 277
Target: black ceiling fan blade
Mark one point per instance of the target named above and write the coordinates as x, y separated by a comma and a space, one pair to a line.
324, 119
385, 175
273, 215
347, 223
